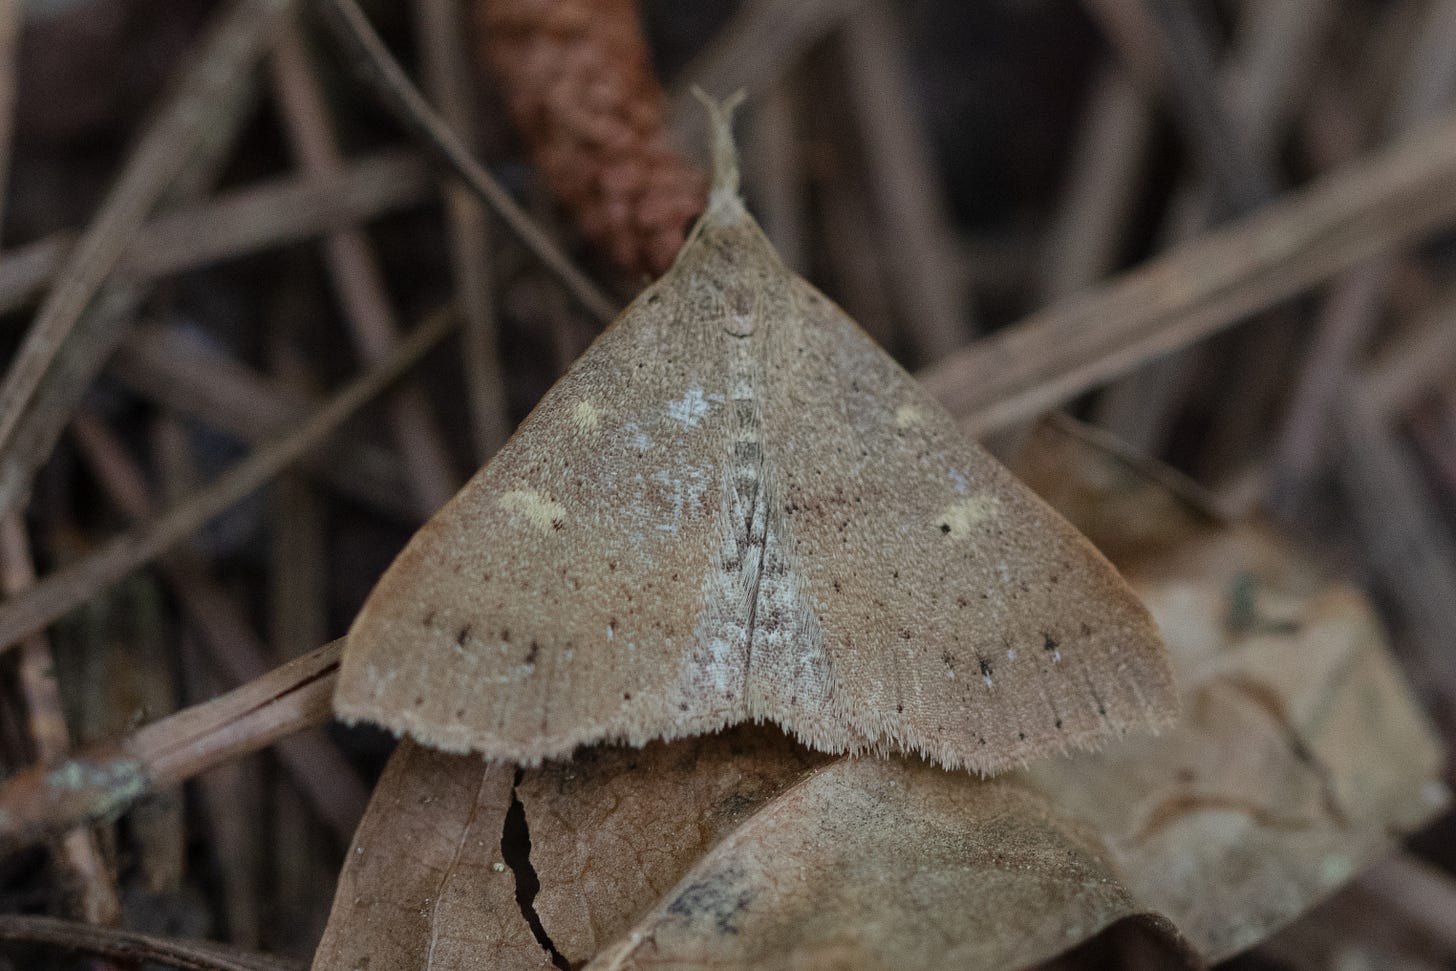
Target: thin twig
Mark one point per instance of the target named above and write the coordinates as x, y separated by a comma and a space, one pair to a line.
357, 277
1403, 535
1131, 32
233, 45
844, 230
446, 67
1244, 179
102, 781
80, 856
318, 769
774, 171
1260, 80
914, 238
1396, 197
104, 322
9, 32
1416, 360
299, 571
134, 946
1347, 319
170, 366
400, 95
234, 223
1105, 172
67, 588
1354, 307
233, 796
1267, 76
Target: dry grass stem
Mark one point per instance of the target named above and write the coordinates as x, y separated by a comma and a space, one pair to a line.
54, 595
450, 84
134, 947
1397, 196
103, 780
401, 96
234, 44
358, 278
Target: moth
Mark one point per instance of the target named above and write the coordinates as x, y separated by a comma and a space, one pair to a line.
736, 507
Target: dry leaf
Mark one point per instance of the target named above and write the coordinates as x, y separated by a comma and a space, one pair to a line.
872, 863
424, 885
1300, 753
736, 507
1301, 758
632, 850
1301, 750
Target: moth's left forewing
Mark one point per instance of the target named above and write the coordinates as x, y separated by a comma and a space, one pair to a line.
555, 600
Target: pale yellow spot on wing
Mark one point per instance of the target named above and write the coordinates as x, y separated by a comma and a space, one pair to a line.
544, 513
585, 415
908, 415
964, 515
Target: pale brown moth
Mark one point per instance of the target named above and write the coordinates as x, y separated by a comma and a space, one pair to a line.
734, 507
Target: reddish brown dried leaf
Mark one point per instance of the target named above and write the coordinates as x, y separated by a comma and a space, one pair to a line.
579, 84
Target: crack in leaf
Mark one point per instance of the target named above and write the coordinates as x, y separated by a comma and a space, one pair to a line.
516, 852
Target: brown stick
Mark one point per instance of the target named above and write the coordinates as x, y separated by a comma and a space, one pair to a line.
357, 278
774, 168
1403, 536
233, 224
1242, 178
1107, 164
101, 781
1353, 309
1414, 361
915, 238
401, 96
168, 365
233, 45
132, 946
65, 589
9, 32
446, 67
80, 856
1395, 197
317, 768
1260, 80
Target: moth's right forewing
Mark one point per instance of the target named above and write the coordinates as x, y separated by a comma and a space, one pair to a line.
957, 615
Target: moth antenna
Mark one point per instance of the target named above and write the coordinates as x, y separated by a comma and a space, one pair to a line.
724, 202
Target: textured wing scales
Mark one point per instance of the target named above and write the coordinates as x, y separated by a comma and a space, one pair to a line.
555, 600
958, 616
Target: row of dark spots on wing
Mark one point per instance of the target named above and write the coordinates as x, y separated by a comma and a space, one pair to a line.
464, 636
831, 508
1050, 644
796, 505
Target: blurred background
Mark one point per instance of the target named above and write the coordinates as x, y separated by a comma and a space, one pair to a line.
944, 170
